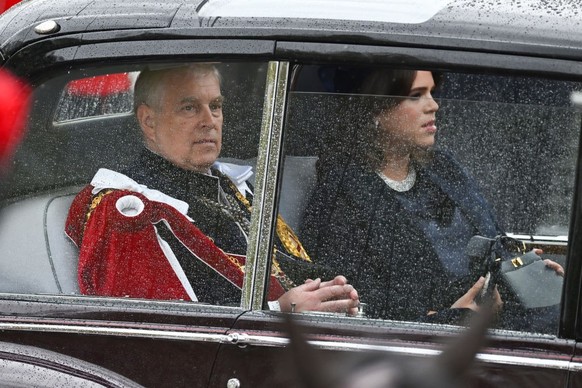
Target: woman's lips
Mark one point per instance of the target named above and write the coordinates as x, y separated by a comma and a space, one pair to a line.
430, 126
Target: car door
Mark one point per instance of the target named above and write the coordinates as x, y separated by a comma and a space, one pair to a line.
517, 136
153, 343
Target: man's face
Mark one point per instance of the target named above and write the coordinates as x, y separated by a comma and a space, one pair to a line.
186, 127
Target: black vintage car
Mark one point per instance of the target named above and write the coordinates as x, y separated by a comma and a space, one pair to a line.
509, 113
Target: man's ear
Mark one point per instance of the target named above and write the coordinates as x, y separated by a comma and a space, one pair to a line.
147, 121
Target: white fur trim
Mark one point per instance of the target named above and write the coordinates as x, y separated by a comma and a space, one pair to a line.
129, 205
109, 179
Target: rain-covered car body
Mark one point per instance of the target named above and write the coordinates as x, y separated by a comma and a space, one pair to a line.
510, 71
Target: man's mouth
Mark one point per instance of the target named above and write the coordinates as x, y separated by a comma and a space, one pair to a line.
205, 141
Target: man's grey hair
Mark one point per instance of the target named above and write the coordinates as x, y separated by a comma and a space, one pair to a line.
149, 83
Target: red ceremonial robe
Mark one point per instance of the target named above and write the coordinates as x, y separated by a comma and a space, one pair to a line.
121, 253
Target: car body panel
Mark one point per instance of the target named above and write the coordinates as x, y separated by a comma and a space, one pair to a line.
33, 366
463, 24
152, 345
541, 362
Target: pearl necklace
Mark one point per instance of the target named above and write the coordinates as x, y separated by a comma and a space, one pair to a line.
403, 185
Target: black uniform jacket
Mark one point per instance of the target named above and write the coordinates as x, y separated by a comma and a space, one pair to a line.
202, 192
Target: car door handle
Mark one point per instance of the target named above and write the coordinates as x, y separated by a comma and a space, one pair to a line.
239, 339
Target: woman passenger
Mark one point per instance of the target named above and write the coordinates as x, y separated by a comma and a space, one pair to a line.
397, 215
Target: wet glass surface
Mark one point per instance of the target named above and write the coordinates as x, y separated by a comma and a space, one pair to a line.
83, 121
500, 159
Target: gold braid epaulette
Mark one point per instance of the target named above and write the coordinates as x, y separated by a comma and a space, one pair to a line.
288, 238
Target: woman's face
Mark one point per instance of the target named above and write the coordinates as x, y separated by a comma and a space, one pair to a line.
411, 123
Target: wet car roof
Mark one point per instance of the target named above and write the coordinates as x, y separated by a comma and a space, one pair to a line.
536, 27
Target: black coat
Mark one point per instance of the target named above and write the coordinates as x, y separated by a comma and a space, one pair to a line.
157, 173
354, 225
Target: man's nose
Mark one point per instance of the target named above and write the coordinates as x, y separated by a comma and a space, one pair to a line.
206, 117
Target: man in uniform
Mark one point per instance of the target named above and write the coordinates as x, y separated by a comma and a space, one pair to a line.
175, 224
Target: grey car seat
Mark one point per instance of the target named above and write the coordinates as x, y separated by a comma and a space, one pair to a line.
37, 257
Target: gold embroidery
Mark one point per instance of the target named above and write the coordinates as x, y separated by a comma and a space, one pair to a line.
95, 201
288, 238
240, 197
280, 275
235, 261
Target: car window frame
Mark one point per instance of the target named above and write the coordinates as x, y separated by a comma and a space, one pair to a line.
263, 217
293, 52
570, 325
156, 51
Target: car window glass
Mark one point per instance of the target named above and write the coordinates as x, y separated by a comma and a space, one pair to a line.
95, 96
84, 121
485, 155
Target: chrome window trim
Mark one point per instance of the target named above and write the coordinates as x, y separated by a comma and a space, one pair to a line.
119, 332
241, 339
107, 303
259, 250
489, 358
415, 351
536, 238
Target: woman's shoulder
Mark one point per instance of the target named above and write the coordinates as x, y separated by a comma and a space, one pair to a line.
443, 157
346, 183
444, 162
346, 173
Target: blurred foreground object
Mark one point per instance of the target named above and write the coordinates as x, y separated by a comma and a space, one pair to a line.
5, 4
14, 104
454, 367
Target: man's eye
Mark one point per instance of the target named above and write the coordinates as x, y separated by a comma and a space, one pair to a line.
189, 108
216, 107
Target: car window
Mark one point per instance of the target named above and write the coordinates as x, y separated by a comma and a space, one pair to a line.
96, 96
389, 174
190, 223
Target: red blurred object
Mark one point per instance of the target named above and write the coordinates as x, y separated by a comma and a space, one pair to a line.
14, 105
5, 4
100, 86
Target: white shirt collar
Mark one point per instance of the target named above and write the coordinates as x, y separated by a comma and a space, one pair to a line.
238, 174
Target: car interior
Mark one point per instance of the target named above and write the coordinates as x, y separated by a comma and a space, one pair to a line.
60, 156
61, 153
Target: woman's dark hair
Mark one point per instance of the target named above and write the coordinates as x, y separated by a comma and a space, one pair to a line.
381, 89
